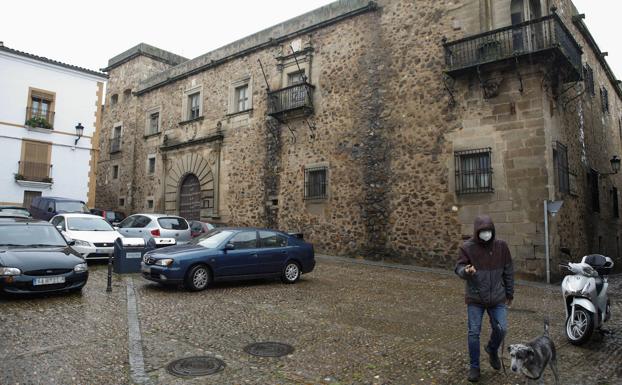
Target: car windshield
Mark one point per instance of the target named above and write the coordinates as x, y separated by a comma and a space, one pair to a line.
15, 210
88, 224
30, 235
71, 207
213, 239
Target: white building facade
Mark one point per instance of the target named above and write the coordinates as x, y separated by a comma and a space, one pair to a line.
41, 104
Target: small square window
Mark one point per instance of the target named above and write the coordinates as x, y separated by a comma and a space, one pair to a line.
241, 98
121, 202
473, 171
151, 163
154, 123
115, 172
194, 108
316, 183
149, 203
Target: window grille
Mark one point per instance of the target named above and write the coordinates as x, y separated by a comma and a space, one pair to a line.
561, 163
592, 180
473, 171
316, 183
616, 210
588, 76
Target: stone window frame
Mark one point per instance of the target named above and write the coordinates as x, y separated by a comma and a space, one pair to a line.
44, 95
247, 81
155, 161
112, 171
148, 114
150, 203
474, 176
320, 195
121, 202
114, 99
114, 137
604, 99
127, 94
588, 76
185, 107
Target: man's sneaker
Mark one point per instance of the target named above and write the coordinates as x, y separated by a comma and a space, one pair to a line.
473, 375
495, 362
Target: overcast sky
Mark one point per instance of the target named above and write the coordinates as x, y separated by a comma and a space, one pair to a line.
88, 33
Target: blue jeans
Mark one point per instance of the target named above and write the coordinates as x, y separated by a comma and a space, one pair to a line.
498, 323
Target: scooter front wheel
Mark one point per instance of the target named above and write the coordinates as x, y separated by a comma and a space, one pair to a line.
580, 328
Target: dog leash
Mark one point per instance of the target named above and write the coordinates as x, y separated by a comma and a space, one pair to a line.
500, 330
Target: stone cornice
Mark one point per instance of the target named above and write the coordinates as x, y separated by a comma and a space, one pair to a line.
217, 137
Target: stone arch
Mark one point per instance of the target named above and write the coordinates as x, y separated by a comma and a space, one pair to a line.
183, 167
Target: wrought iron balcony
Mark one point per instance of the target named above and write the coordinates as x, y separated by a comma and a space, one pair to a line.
39, 118
115, 144
540, 36
291, 101
33, 171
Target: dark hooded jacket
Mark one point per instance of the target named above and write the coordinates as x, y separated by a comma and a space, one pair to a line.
493, 281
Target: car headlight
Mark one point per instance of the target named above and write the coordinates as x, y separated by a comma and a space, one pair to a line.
10, 271
164, 262
80, 267
79, 242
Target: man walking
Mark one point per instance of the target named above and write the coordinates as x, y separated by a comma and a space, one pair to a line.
485, 264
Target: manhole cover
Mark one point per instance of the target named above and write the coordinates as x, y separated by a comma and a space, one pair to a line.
269, 349
195, 366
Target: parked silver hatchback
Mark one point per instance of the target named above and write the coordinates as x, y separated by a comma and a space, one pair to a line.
156, 226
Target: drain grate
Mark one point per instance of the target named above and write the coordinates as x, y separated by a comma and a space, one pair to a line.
269, 349
195, 366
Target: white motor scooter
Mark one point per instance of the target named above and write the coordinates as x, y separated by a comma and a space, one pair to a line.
585, 297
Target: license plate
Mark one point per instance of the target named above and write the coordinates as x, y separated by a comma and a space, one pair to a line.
103, 251
48, 280
133, 255
145, 269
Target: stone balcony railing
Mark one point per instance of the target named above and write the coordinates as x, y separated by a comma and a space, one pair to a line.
544, 35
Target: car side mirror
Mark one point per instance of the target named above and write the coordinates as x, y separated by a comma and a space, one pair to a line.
50, 209
115, 227
59, 227
71, 242
229, 246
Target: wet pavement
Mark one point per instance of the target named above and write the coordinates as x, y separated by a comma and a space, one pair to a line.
349, 323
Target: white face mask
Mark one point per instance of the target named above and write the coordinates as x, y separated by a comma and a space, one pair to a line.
485, 235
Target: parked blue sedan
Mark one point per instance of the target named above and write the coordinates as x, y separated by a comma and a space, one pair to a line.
228, 254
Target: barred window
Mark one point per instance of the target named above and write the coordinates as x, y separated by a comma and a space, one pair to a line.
604, 98
473, 171
316, 182
592, 181
588, 76
193, 106
614, 195
560, 156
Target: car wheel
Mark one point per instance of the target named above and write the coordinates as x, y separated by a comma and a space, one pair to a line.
291, 272
197, 278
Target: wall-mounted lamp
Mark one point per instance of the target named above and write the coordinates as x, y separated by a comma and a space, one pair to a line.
615, 166
79, 132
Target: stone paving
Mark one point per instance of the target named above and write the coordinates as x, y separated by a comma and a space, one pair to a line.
350, 323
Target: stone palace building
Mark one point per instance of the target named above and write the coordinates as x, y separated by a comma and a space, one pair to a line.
380, 129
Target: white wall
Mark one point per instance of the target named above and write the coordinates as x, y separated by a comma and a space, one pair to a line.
75, 103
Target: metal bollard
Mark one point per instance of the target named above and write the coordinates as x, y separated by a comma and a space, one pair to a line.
109, 287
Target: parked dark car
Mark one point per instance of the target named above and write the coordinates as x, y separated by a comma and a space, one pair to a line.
198, 228
230, 254
113, 217
47, 207
15, 211
35, 258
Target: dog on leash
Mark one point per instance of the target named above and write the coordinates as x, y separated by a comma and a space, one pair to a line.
531, 358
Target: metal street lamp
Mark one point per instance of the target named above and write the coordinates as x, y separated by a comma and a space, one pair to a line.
551, 207
615, 166
80, 131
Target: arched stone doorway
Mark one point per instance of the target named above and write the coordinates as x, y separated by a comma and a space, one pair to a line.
190, 198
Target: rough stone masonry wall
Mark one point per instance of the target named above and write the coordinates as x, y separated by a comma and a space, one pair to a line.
125, 76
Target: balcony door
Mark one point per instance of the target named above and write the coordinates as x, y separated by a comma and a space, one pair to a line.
526, 38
